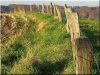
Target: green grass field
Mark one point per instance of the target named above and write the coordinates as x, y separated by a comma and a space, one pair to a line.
48, 50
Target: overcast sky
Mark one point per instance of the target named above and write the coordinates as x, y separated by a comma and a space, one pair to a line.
91, 3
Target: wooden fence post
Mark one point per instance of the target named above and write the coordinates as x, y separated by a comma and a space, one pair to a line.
81, 46
67, 11
51, 8
55, 10
59, 13
74, 29
84, 56
43, 9
30, 8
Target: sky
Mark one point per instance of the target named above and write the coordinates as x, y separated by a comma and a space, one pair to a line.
90, 3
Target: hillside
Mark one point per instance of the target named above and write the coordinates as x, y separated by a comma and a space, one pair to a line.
38, 49
39, 44
84, 12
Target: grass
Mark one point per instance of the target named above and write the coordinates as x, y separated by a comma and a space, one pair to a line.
48, 51
51, 46
91, 30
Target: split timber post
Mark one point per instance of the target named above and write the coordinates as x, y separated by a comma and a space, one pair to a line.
84, 56
43, 9
54, 10
67, 11
30, 8
81, 46
72, 19
58, 13
51, 8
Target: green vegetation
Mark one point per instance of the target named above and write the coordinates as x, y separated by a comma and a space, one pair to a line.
47, 51
91, 29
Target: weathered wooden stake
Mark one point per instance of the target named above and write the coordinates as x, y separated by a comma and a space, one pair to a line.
67, 11
30, 8
81, 46
84, 56
55, 10
58, 13
74, 29
43, 9
51, 8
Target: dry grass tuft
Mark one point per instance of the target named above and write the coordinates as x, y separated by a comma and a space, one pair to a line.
41, 26
25, 64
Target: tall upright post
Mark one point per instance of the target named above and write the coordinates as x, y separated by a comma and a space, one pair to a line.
74, 30
30, 8
59, 13
51, 8
67, 11
54, 10
81, 46
43, 9
84, 56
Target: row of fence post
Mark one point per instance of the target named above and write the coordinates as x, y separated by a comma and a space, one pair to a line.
81, 46
50, 9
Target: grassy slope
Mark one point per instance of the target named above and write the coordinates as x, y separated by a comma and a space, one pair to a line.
48, 51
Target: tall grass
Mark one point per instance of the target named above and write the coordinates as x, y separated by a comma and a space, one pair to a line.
45, 52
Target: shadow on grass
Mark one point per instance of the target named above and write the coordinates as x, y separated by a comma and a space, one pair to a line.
95, 40
14, 53
51, 68
93, 36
